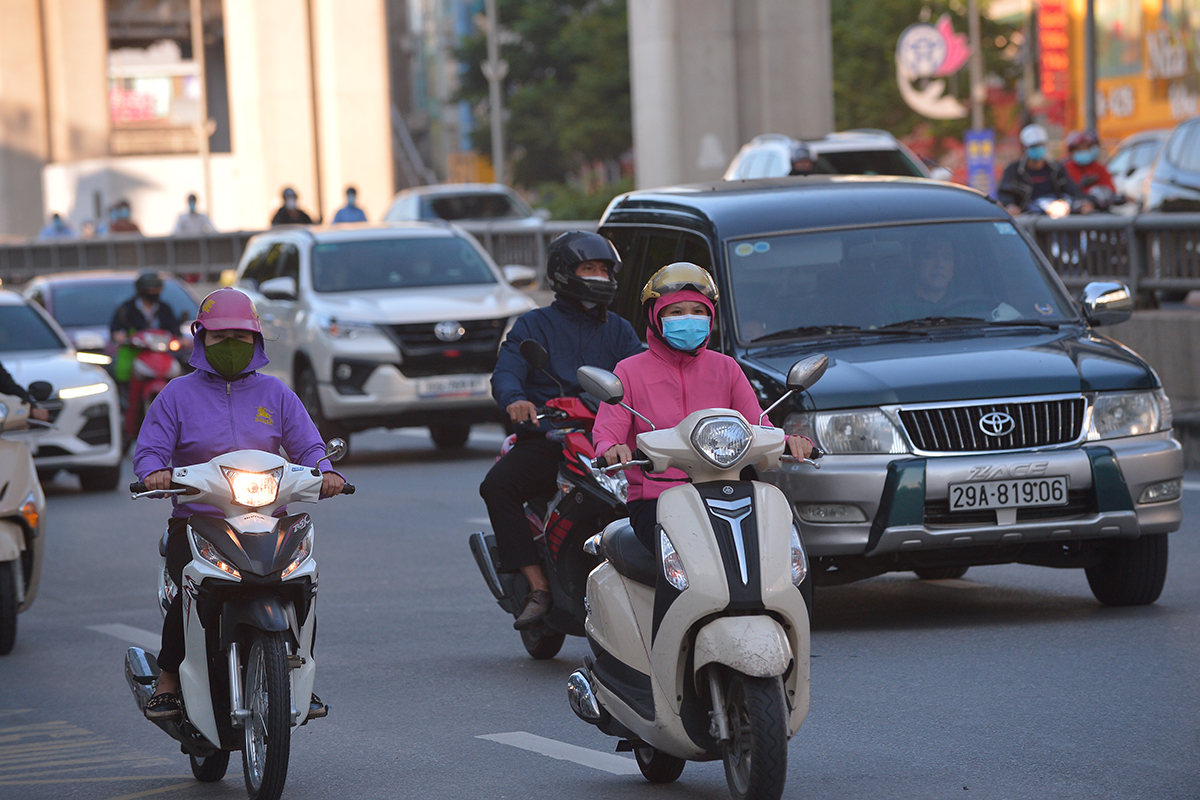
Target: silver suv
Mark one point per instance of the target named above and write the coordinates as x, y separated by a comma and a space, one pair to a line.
383, 325
856, 152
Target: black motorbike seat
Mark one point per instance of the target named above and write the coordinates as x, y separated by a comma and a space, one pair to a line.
629, 557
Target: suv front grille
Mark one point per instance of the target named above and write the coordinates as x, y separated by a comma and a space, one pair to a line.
423, 354
957, 429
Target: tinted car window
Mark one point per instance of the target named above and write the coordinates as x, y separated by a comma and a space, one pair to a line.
397, 264
489, 205
867, 162
22, 328
1143, 154
886, 276
258, 268
90, 304
1121, 161
1188, 157
642, 254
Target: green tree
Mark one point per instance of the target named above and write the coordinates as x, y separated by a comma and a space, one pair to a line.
567, 88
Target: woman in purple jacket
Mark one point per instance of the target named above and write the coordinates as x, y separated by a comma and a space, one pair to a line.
225, 405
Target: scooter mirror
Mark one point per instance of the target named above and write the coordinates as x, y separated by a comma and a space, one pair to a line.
335, 449
40, 390
601, 384
535, 354
807, 371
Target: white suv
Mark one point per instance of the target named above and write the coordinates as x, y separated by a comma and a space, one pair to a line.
856, 152
383, 325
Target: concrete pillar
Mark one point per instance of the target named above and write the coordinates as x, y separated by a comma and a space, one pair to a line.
77, 73
23, 136
709, 75
353, 103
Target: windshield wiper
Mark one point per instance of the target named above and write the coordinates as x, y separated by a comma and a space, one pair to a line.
805, 330
933, 322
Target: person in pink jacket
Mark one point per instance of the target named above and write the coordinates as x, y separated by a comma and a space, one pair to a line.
677, 375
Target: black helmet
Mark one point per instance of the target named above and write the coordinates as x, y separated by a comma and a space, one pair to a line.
148, 280
570, 250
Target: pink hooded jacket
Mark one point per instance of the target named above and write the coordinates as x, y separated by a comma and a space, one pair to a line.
666, 385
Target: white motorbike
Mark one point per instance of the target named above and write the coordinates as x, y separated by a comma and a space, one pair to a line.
22, 516
249, 597
701, 648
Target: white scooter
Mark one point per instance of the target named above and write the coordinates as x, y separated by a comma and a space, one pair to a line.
249, 616
22, 516
701, 648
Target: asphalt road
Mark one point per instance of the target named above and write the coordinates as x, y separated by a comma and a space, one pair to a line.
1010, 683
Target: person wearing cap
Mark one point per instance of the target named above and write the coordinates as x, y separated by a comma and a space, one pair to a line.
802, 161
1034, 176
226, 404
290, 212
676, 376
192, 222
350, 212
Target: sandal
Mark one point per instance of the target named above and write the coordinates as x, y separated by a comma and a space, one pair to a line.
316, 709
164, 707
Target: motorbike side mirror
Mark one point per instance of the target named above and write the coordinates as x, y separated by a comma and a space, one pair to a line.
1107, 303
40, 390
335, 449
807, 371
535, 354
601, 384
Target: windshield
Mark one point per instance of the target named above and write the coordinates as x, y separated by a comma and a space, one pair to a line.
22, 328
868, 162
480, 205
891, 278
400, 263
90, 304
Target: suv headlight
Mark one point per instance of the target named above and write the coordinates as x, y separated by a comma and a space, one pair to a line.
1129, 414
854, 431
722, 440
346, 328
253, 489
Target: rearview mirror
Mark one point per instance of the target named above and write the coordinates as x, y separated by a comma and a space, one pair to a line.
335, 449
807, 371
1107, 303
601, 384
520, 277
535, 354
40, 390
281, 288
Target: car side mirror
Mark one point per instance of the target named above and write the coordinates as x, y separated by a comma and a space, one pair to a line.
40, 391
335, 449
282, 288
1107, 303
807, 371
601, 384
520, 277
543, 214
535, 354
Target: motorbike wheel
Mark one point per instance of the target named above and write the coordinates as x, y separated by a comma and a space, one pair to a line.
450, 435
8, 606
756, 753
657, 766
940, 573
541, 642
212, 768
1132, 573
268, 729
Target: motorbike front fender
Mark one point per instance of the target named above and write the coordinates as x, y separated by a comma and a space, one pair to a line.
260, 613
756, 646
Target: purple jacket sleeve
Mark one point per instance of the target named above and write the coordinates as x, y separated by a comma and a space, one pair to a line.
158, 436
301, 440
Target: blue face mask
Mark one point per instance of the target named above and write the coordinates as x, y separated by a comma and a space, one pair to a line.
685, 333
1037, 153
1084, 157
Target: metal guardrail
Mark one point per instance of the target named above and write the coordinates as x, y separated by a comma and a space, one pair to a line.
204, 258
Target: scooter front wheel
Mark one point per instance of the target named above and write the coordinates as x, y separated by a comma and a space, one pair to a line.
268, 729
756, 753
542, 642
212, 768
8, 605
657, 766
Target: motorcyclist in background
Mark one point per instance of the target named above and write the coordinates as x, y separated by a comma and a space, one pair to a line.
1084, 167
8, 385
1034, 176
576, 330
144, 311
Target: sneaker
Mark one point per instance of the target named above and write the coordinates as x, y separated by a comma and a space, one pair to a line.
537, 604
316, 709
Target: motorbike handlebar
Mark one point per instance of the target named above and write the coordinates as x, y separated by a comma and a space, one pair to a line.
348, 489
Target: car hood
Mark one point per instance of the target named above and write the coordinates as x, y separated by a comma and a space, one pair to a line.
432, 304
962, 367
59, 368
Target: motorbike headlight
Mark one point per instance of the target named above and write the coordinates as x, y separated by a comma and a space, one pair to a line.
210, 554
799, 558
854, 431
346, 328
615, 484
672, 564
722, 440
1129, 414
302, 554
253, 489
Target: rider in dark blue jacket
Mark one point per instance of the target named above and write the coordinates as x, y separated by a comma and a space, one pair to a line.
576, 330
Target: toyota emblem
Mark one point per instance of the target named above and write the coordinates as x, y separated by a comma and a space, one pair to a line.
997, 423
449, 331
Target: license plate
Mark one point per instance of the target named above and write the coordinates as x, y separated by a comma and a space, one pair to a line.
453, 386
1019, 493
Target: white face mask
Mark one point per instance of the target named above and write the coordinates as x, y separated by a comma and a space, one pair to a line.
593, 277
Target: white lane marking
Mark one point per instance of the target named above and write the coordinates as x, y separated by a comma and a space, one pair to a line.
616, 765
146, 640
1192, 486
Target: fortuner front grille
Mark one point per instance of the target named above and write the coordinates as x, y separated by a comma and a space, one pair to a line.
423, 353
966, 428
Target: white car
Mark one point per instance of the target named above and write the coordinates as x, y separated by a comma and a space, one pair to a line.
84, 409
384, 325
856, 152
463, 202
1130, 166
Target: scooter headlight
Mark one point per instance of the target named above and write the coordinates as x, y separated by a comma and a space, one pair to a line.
303, 553
211, 555
722, 440
671, 562
253, 489
799, 558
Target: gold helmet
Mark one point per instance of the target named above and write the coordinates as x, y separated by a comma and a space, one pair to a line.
677, 277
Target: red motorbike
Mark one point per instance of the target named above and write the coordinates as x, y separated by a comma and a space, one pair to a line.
153, 366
